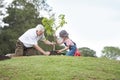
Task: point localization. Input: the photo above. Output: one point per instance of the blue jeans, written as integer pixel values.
(71, 51)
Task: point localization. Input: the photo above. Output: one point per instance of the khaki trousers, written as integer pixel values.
(21, 50)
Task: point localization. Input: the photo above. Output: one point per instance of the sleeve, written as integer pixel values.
(43, 38)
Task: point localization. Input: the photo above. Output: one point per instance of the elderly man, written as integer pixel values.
(28, 42)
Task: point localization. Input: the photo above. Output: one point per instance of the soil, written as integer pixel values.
(54, 53)
(3, 57)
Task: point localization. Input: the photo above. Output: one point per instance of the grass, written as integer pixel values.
(59, 68)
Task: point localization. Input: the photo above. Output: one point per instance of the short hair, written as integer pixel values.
(40, 27)
(63, 33)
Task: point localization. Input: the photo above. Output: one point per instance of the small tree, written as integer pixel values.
(50, 24)
(51, 27)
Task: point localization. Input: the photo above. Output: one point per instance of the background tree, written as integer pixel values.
(111, 52)
(85, 51)
(1, 11)
(1, 6)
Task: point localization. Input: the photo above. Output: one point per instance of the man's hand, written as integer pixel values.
(47, 53)
(49, 43)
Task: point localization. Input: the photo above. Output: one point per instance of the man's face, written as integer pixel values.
(39, 32)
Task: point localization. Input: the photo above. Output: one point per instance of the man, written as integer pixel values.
(28, 42)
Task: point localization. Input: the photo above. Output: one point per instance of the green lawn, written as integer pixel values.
(59, 68)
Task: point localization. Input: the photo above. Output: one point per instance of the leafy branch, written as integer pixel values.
(51, 25)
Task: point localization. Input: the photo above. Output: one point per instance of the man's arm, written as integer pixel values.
(48, 42)
(41, 50)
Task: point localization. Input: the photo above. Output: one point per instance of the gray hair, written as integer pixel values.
(40, 27)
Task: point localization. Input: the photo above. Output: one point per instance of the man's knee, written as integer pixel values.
(19, 52)
(30, 52)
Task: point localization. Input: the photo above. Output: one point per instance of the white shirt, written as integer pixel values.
(30, 38)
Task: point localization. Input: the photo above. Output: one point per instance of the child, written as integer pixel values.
(68, 43)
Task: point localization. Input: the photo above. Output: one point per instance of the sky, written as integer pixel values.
(90, 23)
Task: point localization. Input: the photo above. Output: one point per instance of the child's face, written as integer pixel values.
(63, 38)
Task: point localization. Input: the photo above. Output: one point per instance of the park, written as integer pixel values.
(48, 61)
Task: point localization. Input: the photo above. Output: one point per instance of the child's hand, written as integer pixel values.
(47, 53)
(59, 51)
(52, 43)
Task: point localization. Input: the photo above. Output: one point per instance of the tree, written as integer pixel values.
(1, 6)
(111, 52)
(51, 27)
(50, 23)
(1, 11)
(41, 5)
(87, 52)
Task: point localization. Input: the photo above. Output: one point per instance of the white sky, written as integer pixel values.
(91, 23)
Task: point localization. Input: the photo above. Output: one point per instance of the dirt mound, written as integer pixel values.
(3, 57)
(54, 53)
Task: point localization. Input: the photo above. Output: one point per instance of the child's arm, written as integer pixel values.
(61, 50)
(59, 42)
